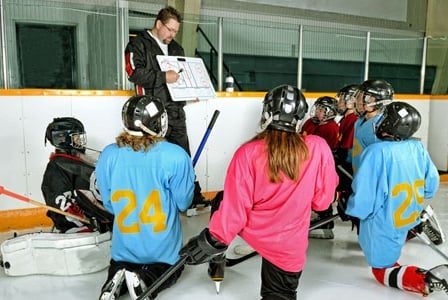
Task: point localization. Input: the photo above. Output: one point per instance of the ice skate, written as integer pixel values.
(431, 227)
(323, 232)
(436, 279)
(111, 290)
(135, 285)
(243, 250)
(216, 270)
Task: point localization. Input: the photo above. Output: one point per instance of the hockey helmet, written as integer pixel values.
(283, 108)
(145, 114)
(66, 133)
(346, 97)
(373, 93)
(326, 105)
(400, 121)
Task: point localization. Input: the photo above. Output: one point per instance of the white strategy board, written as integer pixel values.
(194, 81)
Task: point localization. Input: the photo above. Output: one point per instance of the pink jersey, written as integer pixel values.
(274, 218)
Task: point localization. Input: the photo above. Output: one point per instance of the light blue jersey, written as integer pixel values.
(364, 136)
(146, 191)
(389, 191)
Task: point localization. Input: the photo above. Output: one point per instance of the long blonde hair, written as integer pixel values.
(137, 143)
(286, 151)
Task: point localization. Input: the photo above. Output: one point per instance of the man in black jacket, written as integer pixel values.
(144, 71)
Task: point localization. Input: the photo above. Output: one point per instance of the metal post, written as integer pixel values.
(4, 53)
(300, 59)
(367, 58)
(220, 54)
(423, 69)
(123, 33)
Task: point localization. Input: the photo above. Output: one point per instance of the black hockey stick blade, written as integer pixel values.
(147, 294)
(230, 262)
(319, 223)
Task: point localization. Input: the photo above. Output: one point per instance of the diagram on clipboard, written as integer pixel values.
(193, 83)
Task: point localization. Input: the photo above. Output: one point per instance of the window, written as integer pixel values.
(46, 56)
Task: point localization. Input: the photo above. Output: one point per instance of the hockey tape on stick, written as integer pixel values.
(162, 279)
(205, 137)
(37, 203)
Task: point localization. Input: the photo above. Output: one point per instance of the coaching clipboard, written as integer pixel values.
(194, 81)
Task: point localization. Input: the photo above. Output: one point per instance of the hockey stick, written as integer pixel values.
(205, 137)
(183, 259)
(429, 243)
(37, 203)
(230, 262)
(195, 211)
(319, 223)
(162, 279)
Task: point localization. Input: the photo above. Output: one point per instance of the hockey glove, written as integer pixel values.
(101, 220)
(202, 248)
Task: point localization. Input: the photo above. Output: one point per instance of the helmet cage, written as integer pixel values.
(66, 133)
(374, 93)
(328, 104)
(346, 97)
(65, 139)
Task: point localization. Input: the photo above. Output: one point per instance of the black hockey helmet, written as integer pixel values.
(66, 133)
(346, 97)
(328, 105)
(283, 108)
(400, 121)
(145, 114)
(374, 93)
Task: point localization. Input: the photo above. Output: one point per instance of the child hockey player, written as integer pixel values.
(322, 123)
(343, 154)
(145, 182)
(69, 176)
(346, 108)
(272, 184)
(394, 178)
(371, 99)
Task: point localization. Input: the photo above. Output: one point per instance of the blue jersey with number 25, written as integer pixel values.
(389, 191)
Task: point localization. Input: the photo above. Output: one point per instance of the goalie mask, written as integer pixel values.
(145, 114)
(375, 94)
(324, 109)
(346, 98)
(400, 121)
(67, 134)
(283, 109)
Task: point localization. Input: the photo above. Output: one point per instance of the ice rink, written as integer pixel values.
(335, 269)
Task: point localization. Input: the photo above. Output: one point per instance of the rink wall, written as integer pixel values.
(26, 113)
